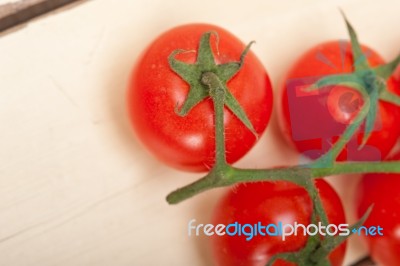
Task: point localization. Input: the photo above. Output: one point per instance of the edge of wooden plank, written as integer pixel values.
(14, 14)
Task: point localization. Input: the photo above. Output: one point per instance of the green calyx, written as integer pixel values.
(370, 82)
(317, 249)
(197, 75)
(329, 243)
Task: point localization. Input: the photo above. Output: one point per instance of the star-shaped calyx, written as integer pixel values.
(369, 81)
(205, 64)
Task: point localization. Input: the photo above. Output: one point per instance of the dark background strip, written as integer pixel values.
(15, 13)
(364, 262)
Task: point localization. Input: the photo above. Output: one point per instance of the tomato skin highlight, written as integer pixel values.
(382, 190)
(270, 202)
(312, 122)
(187, 143)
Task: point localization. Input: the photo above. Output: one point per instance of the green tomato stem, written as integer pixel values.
(295, 174)
(330, 157)
(217, 93)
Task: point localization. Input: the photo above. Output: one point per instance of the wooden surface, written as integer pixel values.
(75, 186)
(13, 13)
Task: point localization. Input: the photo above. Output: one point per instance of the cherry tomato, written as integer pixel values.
(270, 202)
(396, 77)
(155, 91)
(382, 190)
(314, 120)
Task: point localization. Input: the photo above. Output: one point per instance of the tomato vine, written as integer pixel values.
(368, 81)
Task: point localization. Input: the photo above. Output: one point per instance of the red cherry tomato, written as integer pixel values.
(313, 121)
(396, 77)
(382, 190)
(155, 91)
(270, 202)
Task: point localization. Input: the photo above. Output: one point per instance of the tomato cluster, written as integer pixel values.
(311, 120)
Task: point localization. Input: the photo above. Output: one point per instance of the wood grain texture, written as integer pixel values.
(15, 13)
